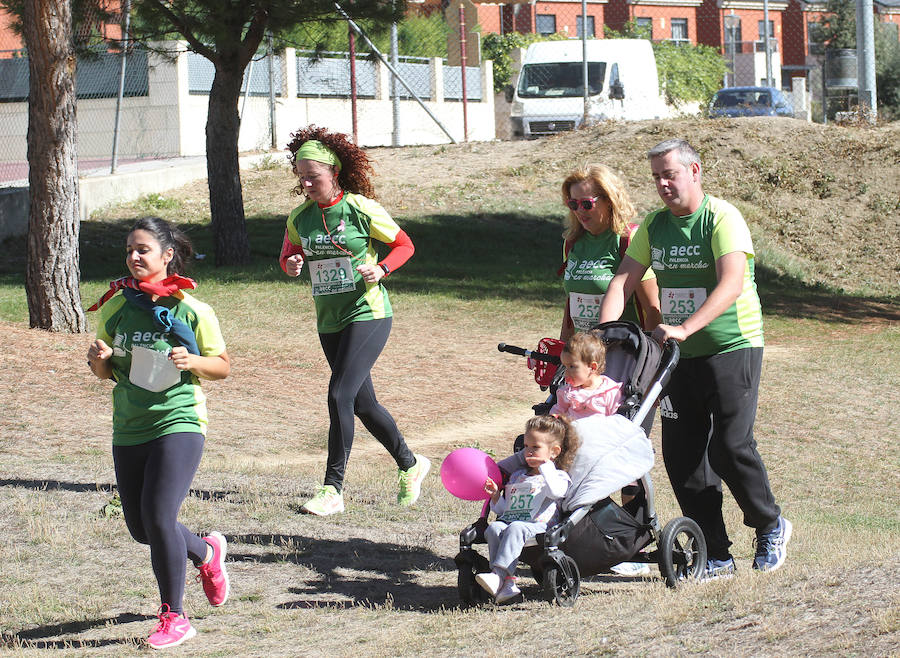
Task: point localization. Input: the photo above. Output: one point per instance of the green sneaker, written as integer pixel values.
(411, 481)
(327, 500)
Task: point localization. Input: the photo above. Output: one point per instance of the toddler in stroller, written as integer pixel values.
(528, 501)
(594, 533)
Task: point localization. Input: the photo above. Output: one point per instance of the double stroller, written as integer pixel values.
(595, 533)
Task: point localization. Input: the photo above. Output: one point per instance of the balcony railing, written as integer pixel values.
(749, 46)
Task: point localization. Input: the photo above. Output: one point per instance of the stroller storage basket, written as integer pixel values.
(606, 536)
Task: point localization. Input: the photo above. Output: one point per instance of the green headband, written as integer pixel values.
(313, 149)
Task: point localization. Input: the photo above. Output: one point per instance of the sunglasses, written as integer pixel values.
(587, 203)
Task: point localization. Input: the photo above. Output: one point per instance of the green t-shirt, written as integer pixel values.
(590, 266)
(335, 240)
(141, 415)
(682, 251)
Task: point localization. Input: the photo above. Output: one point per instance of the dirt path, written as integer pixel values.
(489, 432)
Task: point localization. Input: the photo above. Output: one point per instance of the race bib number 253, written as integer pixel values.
(678, 304)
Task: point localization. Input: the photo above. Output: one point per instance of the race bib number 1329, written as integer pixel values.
(331, 276)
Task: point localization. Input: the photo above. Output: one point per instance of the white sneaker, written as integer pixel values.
(631, 569)
(509, 590)
(327, 501)
(490, 582)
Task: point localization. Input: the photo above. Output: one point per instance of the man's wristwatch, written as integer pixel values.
(385, 269)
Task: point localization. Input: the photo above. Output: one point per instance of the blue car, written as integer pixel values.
(750, 102)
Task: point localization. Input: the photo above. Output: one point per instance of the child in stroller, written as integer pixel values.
(528, 501)
(595, 533)
(587, 390)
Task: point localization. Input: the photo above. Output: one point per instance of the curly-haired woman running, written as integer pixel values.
(333, 231)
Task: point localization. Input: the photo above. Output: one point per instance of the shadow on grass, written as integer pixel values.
(91, 487)
(34, 638)
(790, 298)
(391, 567)
(473, 256)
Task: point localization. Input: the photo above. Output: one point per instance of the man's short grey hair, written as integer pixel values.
(686, 153)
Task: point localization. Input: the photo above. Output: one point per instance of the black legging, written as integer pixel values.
(351, 353)
(153, 479)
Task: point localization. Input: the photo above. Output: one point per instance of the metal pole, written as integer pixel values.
(730, 21)
(770, 82)
(352, 38)
(584, 63)
(865, 59)
(270, 55)
(733, 58)
(249, 75)
(462, 68)
(115, 145)
(390, 68)
(395, 95)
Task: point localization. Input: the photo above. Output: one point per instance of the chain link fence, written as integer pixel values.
(699, 46)
(100, 76)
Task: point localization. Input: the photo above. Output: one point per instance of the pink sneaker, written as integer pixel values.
(172, 629)
(213, 574)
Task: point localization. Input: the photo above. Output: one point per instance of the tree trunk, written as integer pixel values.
(52, 270)
(226, 201)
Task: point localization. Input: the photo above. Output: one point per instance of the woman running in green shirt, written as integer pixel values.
(156, 342)
(335, 232)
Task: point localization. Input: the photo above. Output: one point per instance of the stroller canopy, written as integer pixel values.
(613, 452)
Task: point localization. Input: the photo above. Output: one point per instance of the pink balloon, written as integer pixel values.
(465, 470)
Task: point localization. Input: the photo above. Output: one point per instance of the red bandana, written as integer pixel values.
(162, 288)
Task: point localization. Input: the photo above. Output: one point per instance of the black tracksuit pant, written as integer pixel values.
(707, 438)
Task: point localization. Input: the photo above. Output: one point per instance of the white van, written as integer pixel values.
(549, 94)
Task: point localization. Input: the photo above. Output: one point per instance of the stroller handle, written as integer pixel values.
(536, 356)
(669, 359)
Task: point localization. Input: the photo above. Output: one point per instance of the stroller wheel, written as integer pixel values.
(562, 583)
(470, 592)
(682, 551)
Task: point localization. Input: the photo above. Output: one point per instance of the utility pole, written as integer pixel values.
(865, 59)
(770, 82)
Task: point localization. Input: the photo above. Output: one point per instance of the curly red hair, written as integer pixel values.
(356, 167)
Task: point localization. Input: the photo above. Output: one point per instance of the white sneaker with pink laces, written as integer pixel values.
(508, 591)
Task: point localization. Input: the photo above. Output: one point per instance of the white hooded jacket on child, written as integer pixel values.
(532, 498)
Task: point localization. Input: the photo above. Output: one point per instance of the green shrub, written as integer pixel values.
(153, 202)
(417, 36)
(688, 73)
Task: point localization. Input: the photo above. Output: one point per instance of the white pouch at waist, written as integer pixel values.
(152, 370)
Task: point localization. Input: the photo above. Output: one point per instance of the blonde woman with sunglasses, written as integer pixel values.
(596, 235)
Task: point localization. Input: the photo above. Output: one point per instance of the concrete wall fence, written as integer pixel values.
(169, 119)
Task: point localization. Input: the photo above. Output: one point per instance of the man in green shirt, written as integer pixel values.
(700, 249)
